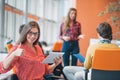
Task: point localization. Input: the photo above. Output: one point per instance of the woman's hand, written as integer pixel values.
(18, 51)
(58, 60)
(66, 38)
(81, 36)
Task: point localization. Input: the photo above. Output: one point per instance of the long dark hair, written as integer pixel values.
(26, 29)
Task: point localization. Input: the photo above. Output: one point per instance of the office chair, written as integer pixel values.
(106, 65)
(9, 46)
(57, 46)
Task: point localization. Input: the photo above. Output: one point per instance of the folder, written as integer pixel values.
(80, 57)
(52, 55)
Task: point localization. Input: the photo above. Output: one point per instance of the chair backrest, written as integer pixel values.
(57, 46)
(9, 46)
(106, 65)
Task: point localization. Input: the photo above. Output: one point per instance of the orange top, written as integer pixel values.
(29, 66)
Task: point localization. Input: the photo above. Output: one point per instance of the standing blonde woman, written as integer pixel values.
(70, 33)
(27, 56)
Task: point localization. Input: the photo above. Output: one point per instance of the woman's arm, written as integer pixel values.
(7, 62)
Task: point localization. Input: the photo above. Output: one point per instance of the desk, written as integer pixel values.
(9, 73)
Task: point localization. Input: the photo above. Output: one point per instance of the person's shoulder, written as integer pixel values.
(103, 46)
(93, 46)
(114, 45)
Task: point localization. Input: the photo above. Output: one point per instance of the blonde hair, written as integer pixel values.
(67, 20)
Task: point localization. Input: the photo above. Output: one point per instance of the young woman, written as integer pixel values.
(70, 33)
(27, 56)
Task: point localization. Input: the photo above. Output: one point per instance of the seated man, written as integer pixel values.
(104, 31)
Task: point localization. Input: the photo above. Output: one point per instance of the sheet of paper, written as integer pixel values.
(52, 55)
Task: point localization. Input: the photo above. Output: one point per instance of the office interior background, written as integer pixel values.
(50, 14)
